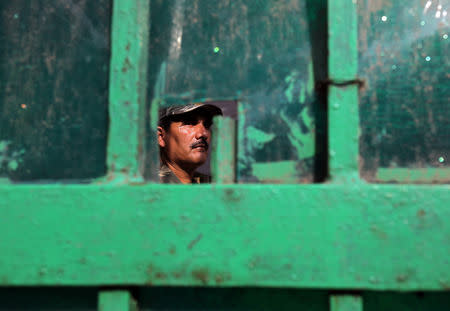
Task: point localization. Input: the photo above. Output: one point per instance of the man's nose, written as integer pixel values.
(201, 131)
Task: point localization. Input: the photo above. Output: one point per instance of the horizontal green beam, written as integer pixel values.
(413, 175)
(381, 237)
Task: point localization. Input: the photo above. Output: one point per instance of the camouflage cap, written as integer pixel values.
(177, 110)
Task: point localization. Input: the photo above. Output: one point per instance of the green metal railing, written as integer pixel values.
(342, 235)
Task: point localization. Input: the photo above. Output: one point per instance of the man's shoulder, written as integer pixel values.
(200, 178)
(166, 176)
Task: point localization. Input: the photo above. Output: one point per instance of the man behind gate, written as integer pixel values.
(184, 136)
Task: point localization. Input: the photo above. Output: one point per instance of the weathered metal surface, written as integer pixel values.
(223, 162)
(53, 89)
(343, 133)
(343, 99)
(413, 175)
(346, 303)
(404, 61)
(342, 41)
(315, 236)
(127, 90)
(116, 300)
(256, 52)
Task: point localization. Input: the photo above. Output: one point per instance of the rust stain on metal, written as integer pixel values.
(378, 232)
(176, 275)
(232, 196)
(172, 250)
(421, 213)
(153, 198)
(445, 285)
(161, 275)
(195, 241)
(150, 270)
(126, 65)
(222, 277)
(149, 273)
(201, 275)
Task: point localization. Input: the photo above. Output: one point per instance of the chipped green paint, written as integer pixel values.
(303, 142)
(291, 81)
(9, 159)
(298, 132)
(127, 92)
(413, 175)
(286, 171)
(13, 165)
(257, 138)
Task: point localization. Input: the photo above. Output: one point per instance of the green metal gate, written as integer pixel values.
(331, 180)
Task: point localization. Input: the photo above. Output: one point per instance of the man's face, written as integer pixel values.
(186, 141)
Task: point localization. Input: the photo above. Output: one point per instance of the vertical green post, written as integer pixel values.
(346, 303)
(343, 95)
(223, 155)
(116, 300)
(127, 88)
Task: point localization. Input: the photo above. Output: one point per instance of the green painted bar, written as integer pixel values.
(223, 155)
(116, 300)
(413, 175)
(346, 303)
(342, 40)
(376, 237)
(343, 100)
(127, 92)
(343, 133)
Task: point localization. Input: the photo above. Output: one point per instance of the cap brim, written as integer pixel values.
(180, 110)
(211, 109)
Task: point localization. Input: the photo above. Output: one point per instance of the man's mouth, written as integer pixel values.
(200, 145)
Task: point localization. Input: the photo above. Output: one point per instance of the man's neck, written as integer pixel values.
(183, 175)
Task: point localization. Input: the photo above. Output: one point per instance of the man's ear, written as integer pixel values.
(161, 137)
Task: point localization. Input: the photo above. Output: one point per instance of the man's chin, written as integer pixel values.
(200, 160)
